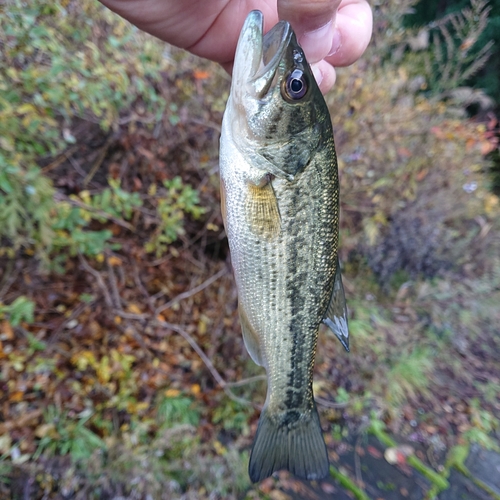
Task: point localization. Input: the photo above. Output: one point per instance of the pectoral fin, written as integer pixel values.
(336, 314)
(261, 208)
(250, 337)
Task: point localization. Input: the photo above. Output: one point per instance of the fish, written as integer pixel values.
(280, 205)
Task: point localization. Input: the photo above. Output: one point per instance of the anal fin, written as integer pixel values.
(336, 314)
(250, 337)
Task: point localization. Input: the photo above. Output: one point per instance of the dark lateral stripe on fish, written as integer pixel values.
(299, 374)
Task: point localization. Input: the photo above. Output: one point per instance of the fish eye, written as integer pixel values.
(296, 85)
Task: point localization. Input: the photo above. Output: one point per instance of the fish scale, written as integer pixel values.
(280, 201)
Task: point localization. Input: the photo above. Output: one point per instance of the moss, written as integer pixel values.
(437, 480)
(456, 458)
(348, 484)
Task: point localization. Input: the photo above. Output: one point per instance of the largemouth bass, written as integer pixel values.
(280, 202)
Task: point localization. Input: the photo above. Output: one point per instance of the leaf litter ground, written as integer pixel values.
(134, 376)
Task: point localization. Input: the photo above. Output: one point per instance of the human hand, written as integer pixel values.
(331, 32)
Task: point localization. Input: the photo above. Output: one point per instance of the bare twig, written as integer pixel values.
(216, 375)
(138, 337)
(245, 381)
(9, 277)
(328, 404)
(140, 286)
(114, 287)
(98, 162)
(159, 262)
(357, 463)
(126, 315)
(76, 166)
(98, 277)
(63, 157)
(190, 293)
(207, 124)
(74, 314)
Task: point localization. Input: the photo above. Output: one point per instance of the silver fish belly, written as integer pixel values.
(279, 186)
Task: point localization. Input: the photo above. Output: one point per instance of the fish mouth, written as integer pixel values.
(257, 55)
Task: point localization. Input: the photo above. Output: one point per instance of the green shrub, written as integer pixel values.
(63, 435)
(412, 168)
(448, 60)
(177, 410)
(62, 61)
(22, 309)
(178, 200)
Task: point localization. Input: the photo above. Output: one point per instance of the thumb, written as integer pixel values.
(314, 24)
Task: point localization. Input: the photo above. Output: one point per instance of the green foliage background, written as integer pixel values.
(61, 63)
(427, 11)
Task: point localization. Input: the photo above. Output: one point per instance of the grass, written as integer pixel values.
(348, 484)
(376, 428)
(409, 375)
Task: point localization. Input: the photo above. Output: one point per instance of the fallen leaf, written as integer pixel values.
(266, 485)
(404, 152)
(487, 147)
(201, 74)
(6, 330)
(16, 396)
(470, 143)
(397, 454)
(5, 443)
(279, 495)
(422, 174)
(219, 448)
(134, 309)
(172, 393)
(46, 430)
(113, 260)
(328, 488)
(373, 451)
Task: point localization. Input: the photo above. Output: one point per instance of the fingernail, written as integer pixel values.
(318, 74)
(336, 42)
(314, 42)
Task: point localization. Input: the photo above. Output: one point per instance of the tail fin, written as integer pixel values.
(297, 447)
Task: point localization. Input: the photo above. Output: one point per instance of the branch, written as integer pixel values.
(216, 375)
(99, 160)
(98, 277)
(245, 381)
(190, 293)
(9, 277)
(114, 286)
(328, 404)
